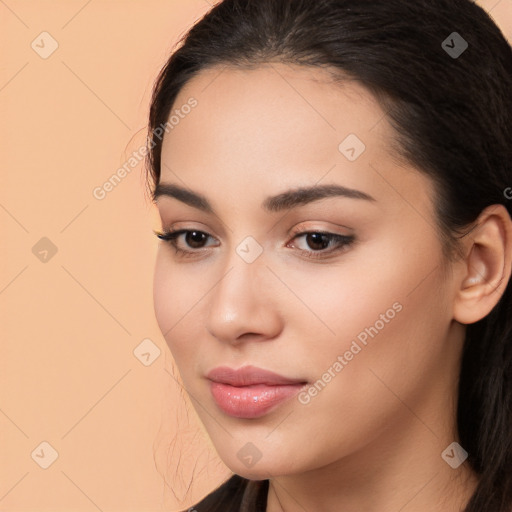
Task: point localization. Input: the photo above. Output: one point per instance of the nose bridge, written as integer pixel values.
(245, 265)
(237, 288)
(239, 302)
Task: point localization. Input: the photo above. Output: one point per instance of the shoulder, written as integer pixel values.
(237, 494)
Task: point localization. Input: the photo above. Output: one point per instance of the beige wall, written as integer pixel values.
(69, 324)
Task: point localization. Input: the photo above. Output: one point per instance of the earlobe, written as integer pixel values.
(487, 268)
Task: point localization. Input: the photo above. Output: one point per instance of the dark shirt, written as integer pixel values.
(235, 495)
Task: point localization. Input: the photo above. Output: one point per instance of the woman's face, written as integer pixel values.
(365, 320)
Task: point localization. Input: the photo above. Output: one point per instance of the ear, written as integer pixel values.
(486, 268)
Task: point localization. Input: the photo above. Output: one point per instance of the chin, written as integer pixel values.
(253, 473)
(263, 469)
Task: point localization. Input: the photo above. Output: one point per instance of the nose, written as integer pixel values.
(242, 304)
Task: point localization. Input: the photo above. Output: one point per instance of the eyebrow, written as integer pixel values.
(283, 201)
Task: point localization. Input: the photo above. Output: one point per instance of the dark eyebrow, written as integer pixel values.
(284, 201)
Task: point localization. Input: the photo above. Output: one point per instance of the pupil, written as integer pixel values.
(194, 237)
(317, 238)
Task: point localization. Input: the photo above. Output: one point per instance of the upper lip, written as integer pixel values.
(249, 375)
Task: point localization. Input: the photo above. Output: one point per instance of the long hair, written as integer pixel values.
(452, 116)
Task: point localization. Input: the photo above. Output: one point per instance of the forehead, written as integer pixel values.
(263, 94)
(271, 113)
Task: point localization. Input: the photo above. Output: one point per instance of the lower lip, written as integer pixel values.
(251, 401)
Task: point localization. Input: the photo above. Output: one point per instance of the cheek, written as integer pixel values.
(164, 293)
(388, 343)
(176, 295)
(397, 324)
(389, 312)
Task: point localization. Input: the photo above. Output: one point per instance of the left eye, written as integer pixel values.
(318, 241)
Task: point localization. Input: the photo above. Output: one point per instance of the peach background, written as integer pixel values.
(70, 325)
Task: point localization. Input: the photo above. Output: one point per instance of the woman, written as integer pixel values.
(333, 179)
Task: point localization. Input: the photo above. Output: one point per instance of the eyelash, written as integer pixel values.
(341, 242)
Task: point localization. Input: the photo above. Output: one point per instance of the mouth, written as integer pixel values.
(251, 392)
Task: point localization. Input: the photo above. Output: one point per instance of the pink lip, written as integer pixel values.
(250, 392)
(248, 376)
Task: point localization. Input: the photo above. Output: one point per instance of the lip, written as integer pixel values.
(248, 376)
(250, 392)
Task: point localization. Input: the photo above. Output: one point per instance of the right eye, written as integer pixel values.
(193, 239)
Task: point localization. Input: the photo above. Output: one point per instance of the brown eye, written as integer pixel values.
(317, 241)
(186, 242)
(318, 244)
(195, 239)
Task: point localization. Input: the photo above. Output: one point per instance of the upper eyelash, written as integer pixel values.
(343, 241)
(170, 236)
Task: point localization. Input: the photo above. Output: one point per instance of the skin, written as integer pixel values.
(372, 438)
